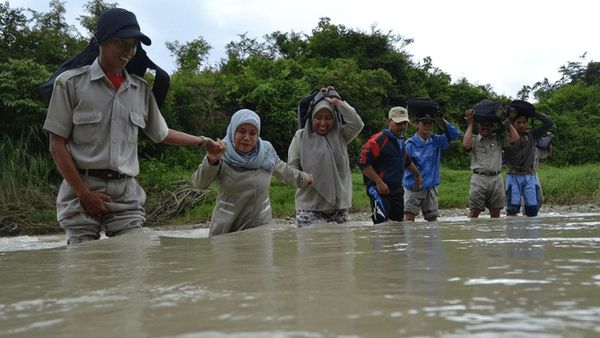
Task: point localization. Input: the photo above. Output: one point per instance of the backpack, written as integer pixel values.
(420, 107)
(522, 108)
(485, 111)
(306, 104)
(545, 141)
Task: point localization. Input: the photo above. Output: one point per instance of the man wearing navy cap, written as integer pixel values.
(93, 119)
(425, 151)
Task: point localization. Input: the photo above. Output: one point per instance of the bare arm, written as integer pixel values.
(513, 134)
(91, 201)
(183, 139)
(180, 138)
(468, 138)
(418, 179)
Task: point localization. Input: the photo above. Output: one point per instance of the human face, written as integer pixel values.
(424, 128)
(322, 121)
(245, 138)
(115, 53)
(520, 125)
(485, 129)
(397, 128)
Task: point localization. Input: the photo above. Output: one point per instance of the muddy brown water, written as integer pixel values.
(512, 277)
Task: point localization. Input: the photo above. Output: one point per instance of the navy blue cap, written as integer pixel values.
(121, 23)
(426, 117)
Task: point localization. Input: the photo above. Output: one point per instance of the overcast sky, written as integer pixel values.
(506, 44)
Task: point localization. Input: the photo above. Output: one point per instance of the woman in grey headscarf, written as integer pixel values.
(243, 175)
(320, 149)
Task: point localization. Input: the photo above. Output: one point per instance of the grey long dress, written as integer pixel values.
(243, 197)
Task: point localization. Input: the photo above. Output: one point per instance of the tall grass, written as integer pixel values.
(21, 167)
(571, 185)
(26, 197)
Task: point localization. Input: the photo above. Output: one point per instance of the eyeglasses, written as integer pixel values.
(128, 44)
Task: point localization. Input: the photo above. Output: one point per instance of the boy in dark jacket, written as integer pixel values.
(520, 158)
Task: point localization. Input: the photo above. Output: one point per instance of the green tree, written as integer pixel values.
(20, 105)
(52, 41)
(94, 8)
(13, 30)
(287, 45)
(191, 55)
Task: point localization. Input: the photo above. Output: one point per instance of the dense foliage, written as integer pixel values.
(371, 70)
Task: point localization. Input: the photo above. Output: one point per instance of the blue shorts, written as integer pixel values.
(524, 187)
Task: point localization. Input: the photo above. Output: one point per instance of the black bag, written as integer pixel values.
(306, 104)
(545, 141)
(521, 108)
(485, 111)
(420, 107)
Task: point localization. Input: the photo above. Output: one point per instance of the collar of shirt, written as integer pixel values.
(96, 73)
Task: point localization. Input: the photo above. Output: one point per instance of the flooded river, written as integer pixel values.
(513, 277)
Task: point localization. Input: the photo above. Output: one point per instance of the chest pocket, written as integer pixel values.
(488, 146)
(86, 127)
(482, 148)
(137, 122)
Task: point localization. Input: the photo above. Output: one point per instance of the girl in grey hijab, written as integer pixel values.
(243, 176)
(320, 149)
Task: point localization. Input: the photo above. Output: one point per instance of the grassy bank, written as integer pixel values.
(27, 199)
(561, 185)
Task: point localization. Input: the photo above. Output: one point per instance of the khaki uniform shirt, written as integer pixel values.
(486, 153)
(101, 124)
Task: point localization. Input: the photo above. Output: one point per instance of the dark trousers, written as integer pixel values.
(393, 205)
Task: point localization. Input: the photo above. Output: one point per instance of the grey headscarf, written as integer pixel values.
(263, 156)
(326, 158)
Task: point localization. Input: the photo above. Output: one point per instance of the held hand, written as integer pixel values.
(214, 147)
(382, 188)
(441, 121)
(332, 92)
(214, 150)
(310, 180)
(334, 100)
(93, 203)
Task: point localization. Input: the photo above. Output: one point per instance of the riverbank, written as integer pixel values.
(29, 208)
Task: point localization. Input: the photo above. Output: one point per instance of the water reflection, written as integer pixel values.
(426, 266)
(454, 278)
(100, 290)
(525, 232)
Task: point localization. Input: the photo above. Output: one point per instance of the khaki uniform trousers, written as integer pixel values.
(127, 209)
